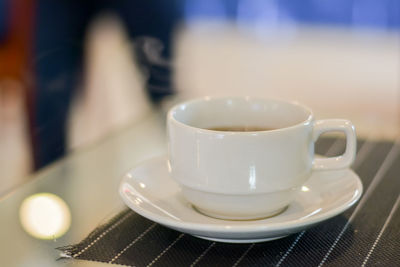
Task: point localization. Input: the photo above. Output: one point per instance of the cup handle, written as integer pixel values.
(344, 160)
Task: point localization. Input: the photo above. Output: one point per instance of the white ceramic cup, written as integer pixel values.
(247, 175)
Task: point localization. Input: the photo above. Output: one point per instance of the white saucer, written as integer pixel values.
(149, 191)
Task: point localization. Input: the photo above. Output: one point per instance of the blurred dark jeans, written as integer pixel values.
(60, 30)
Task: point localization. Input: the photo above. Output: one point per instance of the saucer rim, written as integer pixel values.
(263, 225)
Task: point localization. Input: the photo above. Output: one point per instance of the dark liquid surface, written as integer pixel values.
(240, 129)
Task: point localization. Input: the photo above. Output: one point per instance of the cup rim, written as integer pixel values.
(171, 118)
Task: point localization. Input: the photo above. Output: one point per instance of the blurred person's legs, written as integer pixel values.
(151, 25)
(59, 35)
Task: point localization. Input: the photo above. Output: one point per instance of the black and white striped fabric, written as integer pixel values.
(366, 235)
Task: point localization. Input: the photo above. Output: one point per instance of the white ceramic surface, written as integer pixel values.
(149, 190)
(247, 175)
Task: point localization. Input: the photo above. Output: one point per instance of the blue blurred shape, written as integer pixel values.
(380, 14)
(205, 8)
(370, 13)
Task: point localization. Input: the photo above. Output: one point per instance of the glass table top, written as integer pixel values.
(83, 191)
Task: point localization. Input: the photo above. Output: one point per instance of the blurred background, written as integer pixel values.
(73, 72)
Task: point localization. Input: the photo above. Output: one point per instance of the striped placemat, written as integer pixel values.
(368, 234)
